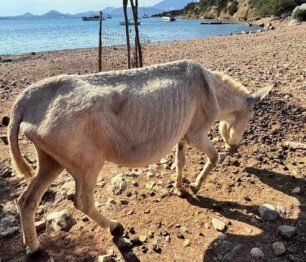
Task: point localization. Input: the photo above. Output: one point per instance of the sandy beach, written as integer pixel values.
(264, 170)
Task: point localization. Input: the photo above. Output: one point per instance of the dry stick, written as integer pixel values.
(137, 41)
(100, 43)
(125, 3)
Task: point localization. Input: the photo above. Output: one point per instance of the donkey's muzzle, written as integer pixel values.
(232, 148)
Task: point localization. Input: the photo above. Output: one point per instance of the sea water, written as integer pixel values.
(38, 34)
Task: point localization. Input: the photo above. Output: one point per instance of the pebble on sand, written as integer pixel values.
(257, 252)
(278, 248)
(287, 232)
(268, 212)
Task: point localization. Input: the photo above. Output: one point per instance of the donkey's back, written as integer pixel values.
(131, 117)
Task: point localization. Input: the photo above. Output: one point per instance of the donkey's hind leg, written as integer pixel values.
(180, 163)
(48, 170)
(84, 197)
(202, 142)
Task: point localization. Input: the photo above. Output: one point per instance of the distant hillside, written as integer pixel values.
(164, 5)
(238, 9)
(54, 14)
(167, 5)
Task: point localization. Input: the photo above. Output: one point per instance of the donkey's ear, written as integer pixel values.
(259, 95)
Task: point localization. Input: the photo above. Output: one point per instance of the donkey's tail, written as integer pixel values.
(19, 163)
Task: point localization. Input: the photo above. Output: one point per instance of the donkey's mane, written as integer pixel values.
(234, 85)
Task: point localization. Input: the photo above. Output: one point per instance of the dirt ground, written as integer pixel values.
(180, 229)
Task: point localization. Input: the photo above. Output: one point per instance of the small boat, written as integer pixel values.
(108, 17)
(130, 22)
(145, 16)
(168, 18)
(92, 18)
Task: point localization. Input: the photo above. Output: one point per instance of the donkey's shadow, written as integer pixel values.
(232, 210)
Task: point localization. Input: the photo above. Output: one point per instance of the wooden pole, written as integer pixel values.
(137, 39)
(100, 43)
(127, 33)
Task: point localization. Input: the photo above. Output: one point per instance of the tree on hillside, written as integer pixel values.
(273, 7)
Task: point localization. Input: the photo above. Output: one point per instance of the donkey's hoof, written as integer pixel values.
(180, 191)
(194, 188)
(35, 252)
(116, 228)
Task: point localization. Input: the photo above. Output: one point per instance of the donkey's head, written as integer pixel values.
(233, 127)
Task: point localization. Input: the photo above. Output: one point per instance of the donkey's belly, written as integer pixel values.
(141, 155)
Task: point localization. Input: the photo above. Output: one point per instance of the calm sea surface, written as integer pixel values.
(32, 35)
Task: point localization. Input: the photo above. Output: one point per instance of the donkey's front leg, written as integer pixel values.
(180, 160)
(203, 143)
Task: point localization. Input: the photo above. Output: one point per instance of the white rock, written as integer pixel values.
(60, 220)
(218, 225)
(150, 185)
(119, 183)
(257, 252)
(150, 174)
(279, 248)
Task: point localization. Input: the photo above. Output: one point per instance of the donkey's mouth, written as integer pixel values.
(231, 148)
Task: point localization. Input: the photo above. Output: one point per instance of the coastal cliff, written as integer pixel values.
(238, 9)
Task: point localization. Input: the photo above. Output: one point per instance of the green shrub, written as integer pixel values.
(233, 8)
(300, 15)
(273, 7)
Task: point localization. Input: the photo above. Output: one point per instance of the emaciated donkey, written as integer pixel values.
(131, 117)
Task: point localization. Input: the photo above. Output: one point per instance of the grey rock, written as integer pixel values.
(268, 212)
(279, 248)
(8, 226)
(119, 183)
(8, 231)
(296, 190)
(257, 253)
(8, 220)
(287, 232)
(230, 255)
(124, 243)
(218, 224)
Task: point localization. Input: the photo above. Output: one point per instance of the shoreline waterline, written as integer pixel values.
(37, 35)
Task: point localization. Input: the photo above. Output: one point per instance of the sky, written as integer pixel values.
(38, 7)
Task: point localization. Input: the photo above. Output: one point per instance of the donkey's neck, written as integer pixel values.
(230, 99)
